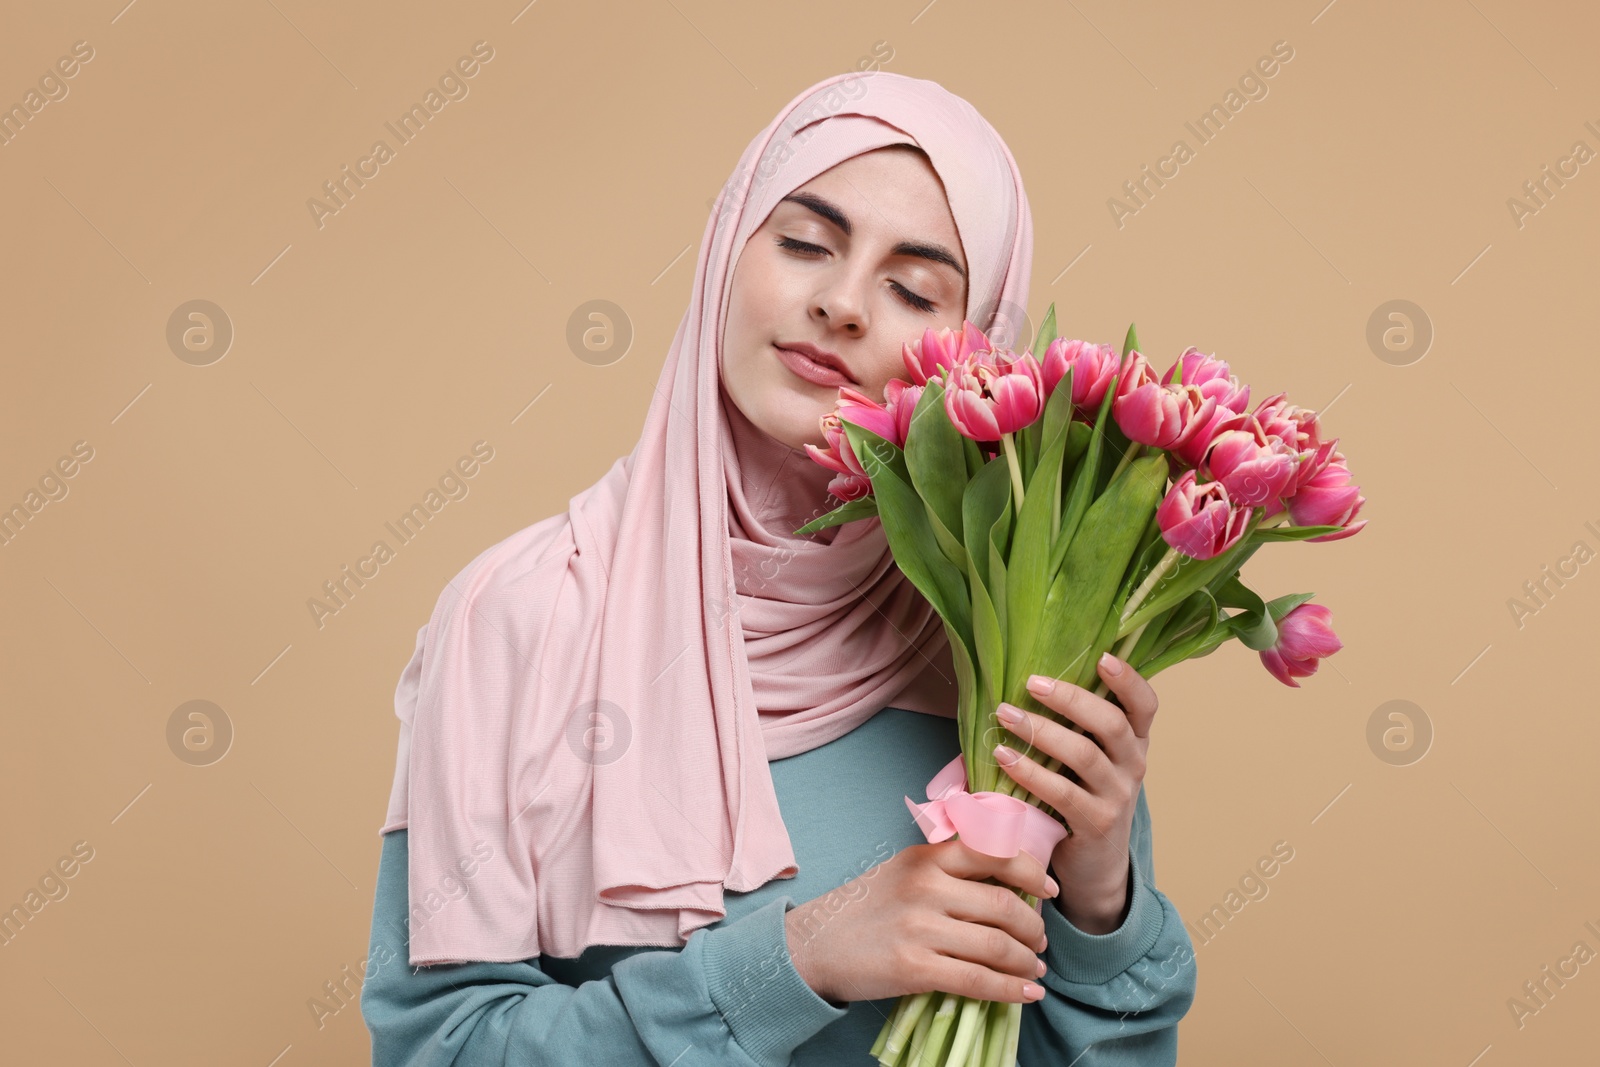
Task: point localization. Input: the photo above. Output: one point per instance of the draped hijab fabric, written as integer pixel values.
(586, 718)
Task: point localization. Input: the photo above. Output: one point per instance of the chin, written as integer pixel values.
(795, 431)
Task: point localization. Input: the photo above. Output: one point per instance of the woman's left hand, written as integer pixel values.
(1091, 865)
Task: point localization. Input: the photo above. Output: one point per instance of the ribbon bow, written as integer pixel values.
(988, 822)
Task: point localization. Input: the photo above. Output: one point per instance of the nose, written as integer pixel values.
(842, 304)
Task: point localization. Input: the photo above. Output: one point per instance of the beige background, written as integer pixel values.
(371, 352)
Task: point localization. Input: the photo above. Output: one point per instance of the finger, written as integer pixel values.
(988, 946)
(1075, 803)
(951, 974)
(1134, 690)
(998, 907)
(1075, 750)
(960, 860)
(1097, 715)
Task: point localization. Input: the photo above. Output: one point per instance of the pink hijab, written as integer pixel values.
(586, 721)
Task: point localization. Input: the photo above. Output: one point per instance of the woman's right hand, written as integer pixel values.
(924, 920)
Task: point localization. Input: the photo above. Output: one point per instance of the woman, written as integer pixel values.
(648, 804)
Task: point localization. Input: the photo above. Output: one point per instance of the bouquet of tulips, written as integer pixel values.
(1053, 504)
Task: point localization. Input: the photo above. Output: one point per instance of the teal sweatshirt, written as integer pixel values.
(731, 994)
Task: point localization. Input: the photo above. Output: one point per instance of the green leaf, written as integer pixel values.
(1290, 533)
(988, 635)
(986, 496)
(908, 529)
(1047, 332)
(1028, 566)
(1282, 605)
(1117, 445)
(934, 459)
(966, 686)
(1200, 608)
(953, 550)
(999, 549)
(974, 456)
(1075, 616)
(1253, 625)
(1151, 548)
(861, 508)
(1078, 435)
(1058, 410)
(1201, 643)
(1185, 577)
(1027, 442)
(1131, 342)
(1081, 491)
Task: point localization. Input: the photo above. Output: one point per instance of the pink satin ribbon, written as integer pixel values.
(988, 822)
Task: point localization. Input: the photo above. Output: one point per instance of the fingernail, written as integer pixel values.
(1009, 715)
(1110, 664)
(1039, 685)
(1005, 756)
(1031, 991)
(1050, 884)
(1040, 972)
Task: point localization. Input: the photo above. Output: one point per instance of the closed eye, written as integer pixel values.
(807, 249)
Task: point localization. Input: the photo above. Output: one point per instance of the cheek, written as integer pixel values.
(887, 361)
(755, 300)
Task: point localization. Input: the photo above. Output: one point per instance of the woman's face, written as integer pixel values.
(855, 262)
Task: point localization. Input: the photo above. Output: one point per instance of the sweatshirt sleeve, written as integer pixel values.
(1117, 996)
(729, 996)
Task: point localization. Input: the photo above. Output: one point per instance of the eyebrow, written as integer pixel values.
(830, 211)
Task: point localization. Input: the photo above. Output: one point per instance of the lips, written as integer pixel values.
(819, 356)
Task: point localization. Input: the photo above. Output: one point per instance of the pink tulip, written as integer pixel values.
(941, 349)
(901, 398)
(1254, 467)
(1194, 367)
(1329, 498)
(1305, 638)
(1211, 374)
(890, 420)
(851, 479)
(867, 413)
(1198, 519)
(993, 393)
(1307, 466)
(1298, 426)
(1300, 429)
(1092, 366)
(1191, 452)
(1160, 416)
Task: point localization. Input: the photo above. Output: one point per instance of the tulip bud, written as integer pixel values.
(851, 481)
(1305, 638)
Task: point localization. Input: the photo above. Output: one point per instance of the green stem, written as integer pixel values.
(919, 1038)
(908, 1013)
(1013, 1034)
(1131, 640)
(1016, 468)
(1165, 564)
(938, 1031)
(879, 1047)
(996, 1034)
(968, 1030)
(1127, 457)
